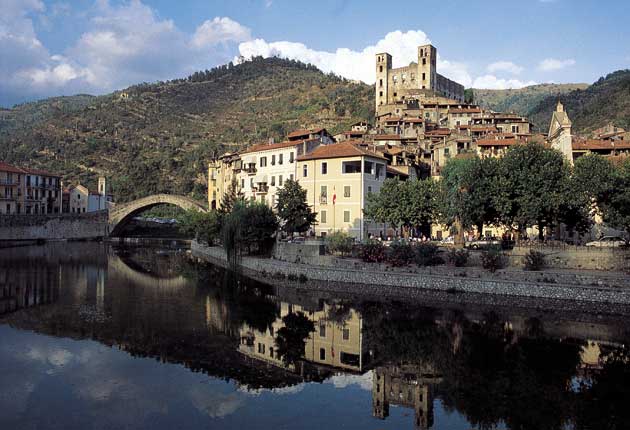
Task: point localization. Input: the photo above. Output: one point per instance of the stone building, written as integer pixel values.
(415, 81)
(81, 199)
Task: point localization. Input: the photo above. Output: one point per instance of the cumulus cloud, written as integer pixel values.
(219, 30)
(551, 64)
(491, 82)
(342, 380)
(504, 66)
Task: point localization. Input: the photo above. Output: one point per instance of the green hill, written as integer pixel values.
(522, 100)
(606, 101)
(153, 138)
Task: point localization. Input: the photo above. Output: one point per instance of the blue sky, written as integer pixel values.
(61, 47)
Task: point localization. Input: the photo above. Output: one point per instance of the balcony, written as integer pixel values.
(9, 182)
(261, 189)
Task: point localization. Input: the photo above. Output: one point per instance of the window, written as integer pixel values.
(380, 171)
(251, 183)
(322, 329)
(291, 157)
(291, 176)
(424, 62)
(346, 216)
(380, 69)
(380, 81)
(346, 191)
(324, 168)
(242, 183)
(446, 151)
(322, 354)
(324, 191)
(273, 181)
(515, 129)
(368, 167)
(351, 167)
(305, 171)
(369, 189)
(263, 161)
(346, 334)
(322, 217)
(273, 160)
(424, 76)
(380, 93)
(280, 180)
(271, 352)
(395, 94)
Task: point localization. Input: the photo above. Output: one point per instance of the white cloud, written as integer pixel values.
(491, 82)
(342, 380)
(550, 64)
(219, 30)
(504, 66)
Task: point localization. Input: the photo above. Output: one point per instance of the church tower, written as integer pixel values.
(560, 132)
(427, 67)
(102, 186)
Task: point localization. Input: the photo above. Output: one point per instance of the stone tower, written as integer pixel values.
(560, 132)
(102, 186)
(383, 66)
(427, 67)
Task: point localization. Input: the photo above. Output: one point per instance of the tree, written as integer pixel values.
(205, 226)
(250, 226)
(231, 197)
(532, 187)
(468, 188)
(409, 204)
(616, 209)
(291, 338)
(292, 208)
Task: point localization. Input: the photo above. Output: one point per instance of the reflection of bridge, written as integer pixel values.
(117, 266)
(121, 214)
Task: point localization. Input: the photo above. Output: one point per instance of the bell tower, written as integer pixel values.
(427, 67)
(383, 66)
(102, 186)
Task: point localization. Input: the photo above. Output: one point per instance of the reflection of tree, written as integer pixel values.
(291, 338)
(604, 399)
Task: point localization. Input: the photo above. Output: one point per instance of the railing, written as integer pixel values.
(8, 182)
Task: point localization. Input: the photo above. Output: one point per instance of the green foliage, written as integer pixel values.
(469, 96)
(468, 187)
(410, 204)
(339, 242)
(616, 210)
(204, 226)
(292, 208)
(427, 254)
(231, 197)
(291, 338)
(400, 253)
(372, 251)
(457, 257)
(492, 259)
(250, 227)
(534, 260)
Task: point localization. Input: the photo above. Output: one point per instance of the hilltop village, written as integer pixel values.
(422, 120)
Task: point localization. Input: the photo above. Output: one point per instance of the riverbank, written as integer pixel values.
(589, 290)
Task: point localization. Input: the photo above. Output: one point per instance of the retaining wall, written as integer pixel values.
(54, 227)
(385, 281)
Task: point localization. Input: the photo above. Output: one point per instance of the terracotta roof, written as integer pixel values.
(600, 144)
(41, 173)
(499, 142)
(413, 120)
(270, 146)
(387, 137)
(438, 132)
(465, 110)
(339, 150)
(5, 167)
(304, 132)
(361, 132)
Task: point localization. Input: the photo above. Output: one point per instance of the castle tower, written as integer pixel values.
(383, 66)
(102, 186)
(560, 132)
(427, 66)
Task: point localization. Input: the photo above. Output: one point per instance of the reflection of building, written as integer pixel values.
(337, 340)
(24, 285)
(409, 386)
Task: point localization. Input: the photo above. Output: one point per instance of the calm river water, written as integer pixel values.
(94, 336)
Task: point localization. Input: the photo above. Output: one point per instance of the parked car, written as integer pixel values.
(607, 242)
(484, 242)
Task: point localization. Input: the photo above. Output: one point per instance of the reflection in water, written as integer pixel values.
(418, 367)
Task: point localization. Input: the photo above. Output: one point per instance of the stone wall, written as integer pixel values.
(298, 253)
(387, 281)
(573, 257)
(54, 227)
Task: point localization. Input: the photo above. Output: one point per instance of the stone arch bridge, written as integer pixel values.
(121, 214)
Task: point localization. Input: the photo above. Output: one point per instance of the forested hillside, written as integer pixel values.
(159, 137)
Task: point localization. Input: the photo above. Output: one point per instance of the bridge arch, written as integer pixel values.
(121, 214)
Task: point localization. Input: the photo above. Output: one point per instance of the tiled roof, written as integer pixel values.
(41, 173)
(438, 132)
(339, 150)
(304, 132)
(270, 146)
(5, 167)
(594, 144)
(413, 120)
(499, 142)
(465, 110)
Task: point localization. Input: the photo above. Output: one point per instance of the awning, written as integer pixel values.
(260, 179)
(251, 159)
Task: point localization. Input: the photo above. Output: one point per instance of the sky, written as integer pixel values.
(64, 47)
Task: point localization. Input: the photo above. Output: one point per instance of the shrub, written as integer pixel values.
(492, 259)
(426, 254)
(292, 277)
(534, 260)
(457, 257)
(400, 254)
(340, 242)
(372, 251)
(302, 278)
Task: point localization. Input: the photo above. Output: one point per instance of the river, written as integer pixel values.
(102, 336)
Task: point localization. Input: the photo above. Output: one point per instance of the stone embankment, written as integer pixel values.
(585, 286)
(91, 225)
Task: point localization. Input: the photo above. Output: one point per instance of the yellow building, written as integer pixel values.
(337, 179)
(333, 343)
(29, 191)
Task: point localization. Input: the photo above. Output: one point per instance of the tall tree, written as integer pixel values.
(292, 208)
(232, 196)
